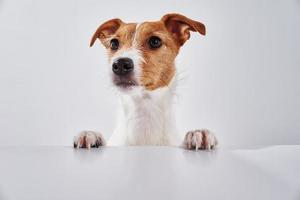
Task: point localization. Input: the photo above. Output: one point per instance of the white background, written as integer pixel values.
(241, 80)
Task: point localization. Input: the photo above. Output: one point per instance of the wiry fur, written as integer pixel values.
(146, 118)
(147, 115)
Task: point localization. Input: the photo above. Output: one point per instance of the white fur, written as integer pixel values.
(146, 118)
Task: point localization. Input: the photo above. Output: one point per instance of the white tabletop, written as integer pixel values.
(38, 173)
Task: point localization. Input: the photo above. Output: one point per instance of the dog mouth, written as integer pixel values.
(125, 84)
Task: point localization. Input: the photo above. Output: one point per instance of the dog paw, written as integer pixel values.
(200, 139)
(88, 139)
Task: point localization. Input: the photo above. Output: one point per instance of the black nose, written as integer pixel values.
(122, 66)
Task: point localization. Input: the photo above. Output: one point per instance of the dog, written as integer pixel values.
(142, 56)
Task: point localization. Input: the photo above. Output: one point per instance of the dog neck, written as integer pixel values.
(147, 118)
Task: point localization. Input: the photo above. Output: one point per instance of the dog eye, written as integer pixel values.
(114, 44)
(154, 42)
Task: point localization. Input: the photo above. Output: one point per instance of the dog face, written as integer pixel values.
(143, 55)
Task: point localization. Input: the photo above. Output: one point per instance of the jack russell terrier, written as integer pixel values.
(142, 59)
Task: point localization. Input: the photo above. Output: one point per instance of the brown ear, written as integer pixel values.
(180, 26)
(106, 29)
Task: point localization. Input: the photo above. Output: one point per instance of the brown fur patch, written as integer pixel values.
(158, 67)
(124, 35)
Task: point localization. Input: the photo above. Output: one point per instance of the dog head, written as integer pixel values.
(143, 55)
